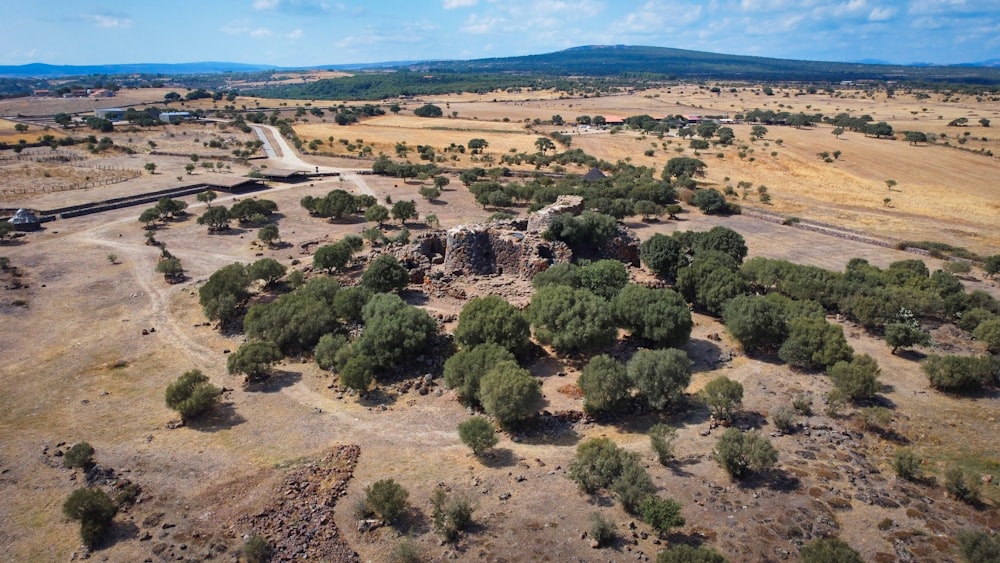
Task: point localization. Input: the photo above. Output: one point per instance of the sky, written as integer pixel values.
(299, 33)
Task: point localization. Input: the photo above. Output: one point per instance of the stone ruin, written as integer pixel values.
(509, 247)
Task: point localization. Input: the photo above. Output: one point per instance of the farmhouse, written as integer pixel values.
(112, 114)
(175, 116)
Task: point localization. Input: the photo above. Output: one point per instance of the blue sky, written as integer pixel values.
(317, 32)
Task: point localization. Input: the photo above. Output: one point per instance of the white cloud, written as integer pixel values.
(452, 4)
(881, 14)
(481, 25)
(265, 4)
(295, 34)
(261, 32)
(235, 28)
(107, 21)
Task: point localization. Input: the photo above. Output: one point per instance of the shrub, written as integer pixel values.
(682, 553)
(510, 393)
(740, 454)
(905, 335)
(602, 530)
(604, 278)
(759, 324)
(802, 403)
(710, 201)
(478, 434)
(80, 455)
(978, 546)
(253, 360)
(571, 320)
(596, 465)
(829, 550)
(465, 369)
(988, 332)
(394, 332)
(783, 419)
(958, 373)
(385, 274)
(326, 349)
(662, 255)
(492, 319)
(94, 509)
(661, 439)
(814, 343)
(658, 315)
(660, 375)
(387, 499)
(192, 395)
(257, 550)
(962, 485)
(605, 384)
(451, 515)
(357, 373)
(632, 485)
(875, 418)
(857, 379)
(906, 464)
(723, 397)
(972, 318)
(661, 514)
(405, 551)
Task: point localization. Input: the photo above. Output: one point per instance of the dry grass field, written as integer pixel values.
(78, 366)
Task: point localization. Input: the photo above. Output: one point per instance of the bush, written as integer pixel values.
(661, 439)
(326, 349)
(905, 335)
(492, 319)
(596, 465)
(257, 550)
(451, 515)
(723, 397)
(660, 375)
(510, 393)
(357, 373)
(802, 403)
(759, 324)
(958, 373)
(465, 369)
(978, 546)
(94, 510)
(192, 395)
(604, 278)
(295, 321)
(80, 455)
(223, 293)
(405, 551)
(710, 201)
(814, 343)
(857, 379)
(602, 530)
(658, 315)
(988, 332)
(741, 454)
(662, 255)
(971, 319)
(682, 553)
(394, 332)
(254, 360)
(962, 485)
(875, 418)
(829, 550)
(387, 499)
(605, 384)
(477, 433)
(783, 419)
(632, 485)
(563, 273)
(385, 274)
(571, 320)
(906, 464)
(661, 514)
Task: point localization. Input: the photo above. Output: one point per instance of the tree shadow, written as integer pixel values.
(414, 297)
(549, 430)
(223, 417)
(636, 226)
(705, 355)
(693, 539)
(377, 397)
(677, 465)
(279, 380)
(414, 521)
(121, 531)
(749, 420)
(496, 458)
(909, 354)
(228, 232)
(775, 479)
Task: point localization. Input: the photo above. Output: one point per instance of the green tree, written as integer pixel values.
(94, 510)
(394, 331)
(544, 144)
(428, 110)
(387, 499)
(150, 167)
(857, 379)
(223, 293)
(465, 369)
(724, 240)
(403, 210)
(991, 265)
(905, 335)
(988, 332)
(604, 278)
(477, 433)
(268, 234)
(378, 214)
(758, 324)
(829, 550)
(813, 343)
(723, 397)
(660, 513)
(215, 218)
(978, 546)
(958, 373)
(254, 360)
(562, 273)
(710, 201)
(683, 166)
(385, 274)
(660, 376)
(476, 146)
(206, 197)
(357, 373)
(571, 320)
(597, 463)
(80, 455)
(510, 393)
(758, 131)
(332, 257)
(192, 395)
(662, 255)
(429, 193)
(267, 270)
(658, 315)
(740, 454)
(605, 384)
(492, 319)
(326, 349)
(149, 216)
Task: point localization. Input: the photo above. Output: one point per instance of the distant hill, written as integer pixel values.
(42, 70)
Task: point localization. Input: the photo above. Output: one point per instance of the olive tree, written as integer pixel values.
(723, 397)
(605, 384)
(857, 379)
(192, 395)
(394, 332)
(758, 323)
(658, 315)
(510, 393)
(254, 360)
(662, 255)
(385, 274)
(477, 433)
(464, 370)
(741, 454)
(660, 376)
(492, 319)
(571, 320)
(94, 510)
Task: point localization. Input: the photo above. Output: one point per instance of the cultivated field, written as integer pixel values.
(79, 366)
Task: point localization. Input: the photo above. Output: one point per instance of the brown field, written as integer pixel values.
(79, 368)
